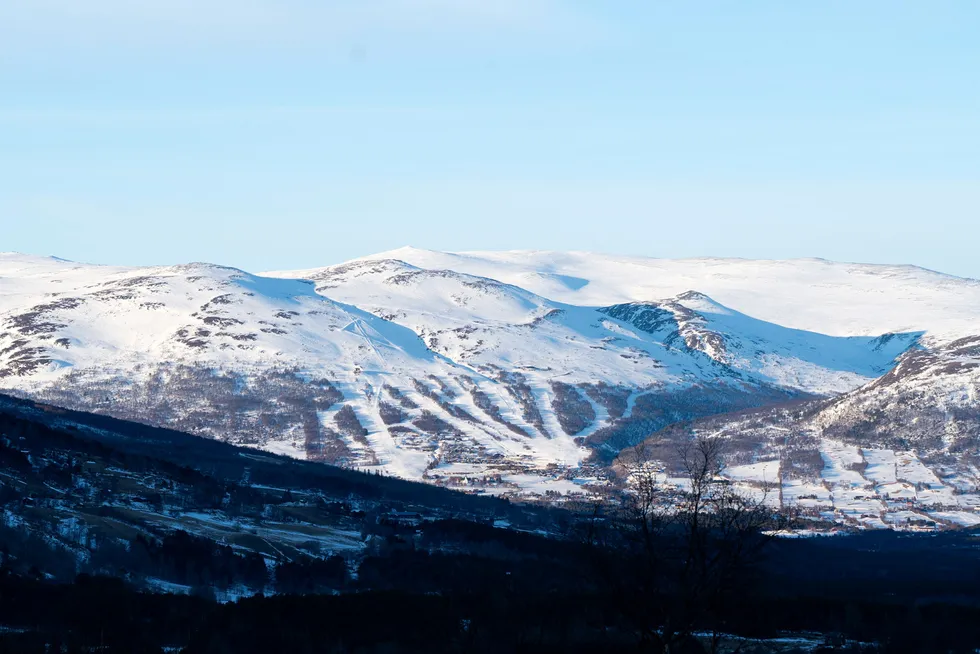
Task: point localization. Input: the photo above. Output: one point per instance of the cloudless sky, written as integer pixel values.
(271, 134)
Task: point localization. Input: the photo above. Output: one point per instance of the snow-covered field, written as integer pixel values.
(892, 491)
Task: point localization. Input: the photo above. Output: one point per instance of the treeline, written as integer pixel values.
(183, 559)
(466, 587)
(103, 614)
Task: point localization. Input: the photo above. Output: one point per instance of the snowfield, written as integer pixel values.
(827, 297)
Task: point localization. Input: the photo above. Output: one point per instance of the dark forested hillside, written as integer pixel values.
(169, 511)
(116, 537)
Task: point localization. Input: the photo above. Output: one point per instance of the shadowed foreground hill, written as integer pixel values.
(117, 537)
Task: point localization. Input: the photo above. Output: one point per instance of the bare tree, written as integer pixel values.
(675, 555)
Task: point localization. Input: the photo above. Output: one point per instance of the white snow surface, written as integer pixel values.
(477, 318)
(839, 299)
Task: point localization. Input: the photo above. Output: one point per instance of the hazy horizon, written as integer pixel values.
(597, 253)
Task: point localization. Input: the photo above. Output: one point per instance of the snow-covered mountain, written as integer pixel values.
(514, 372)
(833, 298)
(483, 323)
(902, 451)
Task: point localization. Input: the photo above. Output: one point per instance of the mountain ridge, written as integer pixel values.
(890, 292)
(466, 377)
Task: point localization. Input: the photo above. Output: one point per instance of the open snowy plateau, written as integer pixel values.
(527, 373)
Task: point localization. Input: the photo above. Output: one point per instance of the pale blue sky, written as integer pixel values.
(293, 133)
